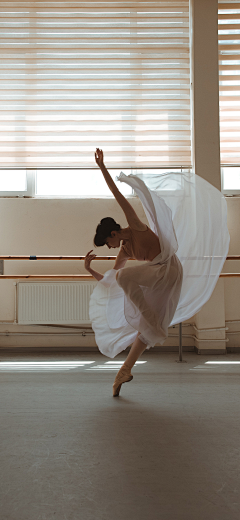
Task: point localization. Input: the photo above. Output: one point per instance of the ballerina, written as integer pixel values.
(151, 290)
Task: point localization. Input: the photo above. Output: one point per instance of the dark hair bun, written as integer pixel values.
(104, 229)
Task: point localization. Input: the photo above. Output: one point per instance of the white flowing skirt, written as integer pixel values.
(142, 299)
(189, 216)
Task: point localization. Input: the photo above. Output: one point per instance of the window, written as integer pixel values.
(70, 183)
(76, 183)
(231, 180)
(17, 183)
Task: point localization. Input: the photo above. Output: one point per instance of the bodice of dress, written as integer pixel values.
(141, 245)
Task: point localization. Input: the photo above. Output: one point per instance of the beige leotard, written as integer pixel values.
(141, 245)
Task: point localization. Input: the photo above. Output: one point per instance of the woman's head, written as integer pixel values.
(107, 232)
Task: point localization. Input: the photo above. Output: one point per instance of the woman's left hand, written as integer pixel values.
(88, 259)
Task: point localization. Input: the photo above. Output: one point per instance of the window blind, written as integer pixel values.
(80, 75)
(229, 80)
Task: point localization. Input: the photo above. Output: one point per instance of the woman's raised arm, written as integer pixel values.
(130, 214)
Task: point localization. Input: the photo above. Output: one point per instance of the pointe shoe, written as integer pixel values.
(123, 376)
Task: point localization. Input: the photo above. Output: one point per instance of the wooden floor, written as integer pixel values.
(166, 449)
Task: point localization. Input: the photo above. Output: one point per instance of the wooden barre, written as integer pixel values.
(76, 276)
(46, 276)
(52, 257)
(42, 257)
(228, 275)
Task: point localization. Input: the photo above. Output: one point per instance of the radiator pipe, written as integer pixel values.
(46, 334)
(91, 334)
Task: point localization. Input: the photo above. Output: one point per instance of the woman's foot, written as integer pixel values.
(123, 376)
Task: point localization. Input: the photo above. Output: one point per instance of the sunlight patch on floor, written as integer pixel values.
(221, 366)
(36, 366)
(112, 366)
(42, 365)
(222, 363)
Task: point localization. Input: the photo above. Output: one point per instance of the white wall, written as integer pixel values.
(67, 227)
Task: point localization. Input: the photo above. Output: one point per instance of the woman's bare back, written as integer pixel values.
(141, 245)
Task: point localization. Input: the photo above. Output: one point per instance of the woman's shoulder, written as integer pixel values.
(138, 226)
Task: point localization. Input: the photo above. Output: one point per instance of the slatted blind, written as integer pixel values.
(229, 80)
(80, 75)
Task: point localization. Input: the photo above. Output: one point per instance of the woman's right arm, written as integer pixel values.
(87, 262)
(130, 214)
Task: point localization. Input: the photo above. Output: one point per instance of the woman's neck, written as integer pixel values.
(124, 233)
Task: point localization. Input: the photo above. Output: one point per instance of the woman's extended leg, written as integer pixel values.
(124, 375)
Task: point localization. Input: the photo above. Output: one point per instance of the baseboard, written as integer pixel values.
(210, 351)
(174, 348)
(39, 350)
(233, 350)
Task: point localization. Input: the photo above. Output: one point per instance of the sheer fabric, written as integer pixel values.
(151, 294)
(142, 299)
(190, 218)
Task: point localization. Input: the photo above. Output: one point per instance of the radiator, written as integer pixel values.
(59, 302)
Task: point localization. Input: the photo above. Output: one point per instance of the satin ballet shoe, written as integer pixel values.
(123, 376)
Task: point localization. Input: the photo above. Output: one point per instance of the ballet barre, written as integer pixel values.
(89, 276)
(77, 276)
(61, 257)
(52, 257)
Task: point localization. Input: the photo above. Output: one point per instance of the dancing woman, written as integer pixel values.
(151, 290)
